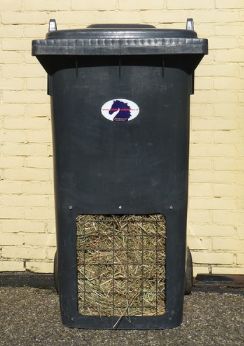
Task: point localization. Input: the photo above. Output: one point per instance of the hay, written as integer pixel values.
(121, 265)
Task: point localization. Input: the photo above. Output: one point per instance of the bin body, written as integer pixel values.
(136, 165)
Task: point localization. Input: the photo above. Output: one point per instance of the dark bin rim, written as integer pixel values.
(120, 39)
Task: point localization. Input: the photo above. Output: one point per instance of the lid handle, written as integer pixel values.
(52, 25)
(190, 24)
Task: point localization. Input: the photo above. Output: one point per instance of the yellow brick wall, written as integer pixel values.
(216, 201)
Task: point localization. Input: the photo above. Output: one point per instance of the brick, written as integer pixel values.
(15, 136)
(228, 83)
(224, 190)
(30, 96)
(50, 252)
(241, 97)
(210, 150)
(16, 44)
(227, 270)
(51, 227)
(11, 162)
(139, 5)
(219, 42)
(240, 259)
(240, 217)
(201, 216)
(226, 110)
(95, 5)
(10, 186)
(190, 4)
(11, 266)
(40, 187)
(46, 5)
(12, 213)
(232, 55)
(218, 69)
(11, 5)
(240, 232)
(233, 29)
(24, 173)
(211, 230)
(241, 71)
(36, 83)
(197, 269)
(14, 17)
(202, 163)
(34, 32)
(25, 123)
(38, 213)
(26, 70)
(39, 267)
(12, 109)
(10, 239)
(24, 226)
(42, 136)
(212, 258)
(29, 59)
(72, 18)
(197, 137)
(224, 217)
(219, 123)
(11, 30)
(23, 252)
(213, 203)
(229, 164)
(36, 239)
(197, 243)
(203, 189)
(228, 244)
(163, 18)
(37, 110)
(227, 137)
(11, 57)
(11, 84)
(216, 16)
(20, 149)
(199, 110)
(22, 200)
(212, 96)
(205, 29)
(229, 4)
(39, 162)
(203, 83)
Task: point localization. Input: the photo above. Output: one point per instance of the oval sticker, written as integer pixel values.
(120, 110)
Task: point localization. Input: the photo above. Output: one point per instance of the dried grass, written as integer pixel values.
(121, 265)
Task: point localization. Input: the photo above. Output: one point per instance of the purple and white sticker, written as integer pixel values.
(120, 110)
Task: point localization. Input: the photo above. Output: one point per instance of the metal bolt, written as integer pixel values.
(52, 25)
(171, 207)
(189, 24)
(70, 207)
(120, 206)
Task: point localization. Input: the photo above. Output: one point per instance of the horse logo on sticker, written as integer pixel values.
(120, 110)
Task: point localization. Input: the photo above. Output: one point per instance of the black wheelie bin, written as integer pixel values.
(120, 100)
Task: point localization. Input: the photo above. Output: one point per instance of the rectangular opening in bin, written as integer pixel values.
(121, 265)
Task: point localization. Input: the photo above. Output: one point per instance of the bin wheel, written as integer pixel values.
(55, 272)
(188, 272)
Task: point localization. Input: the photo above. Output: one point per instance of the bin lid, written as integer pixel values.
(119, 39)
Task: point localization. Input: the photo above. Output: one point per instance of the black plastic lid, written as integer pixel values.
(123, 31)
(119, 39)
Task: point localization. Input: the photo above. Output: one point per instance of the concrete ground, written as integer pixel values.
(30, 316)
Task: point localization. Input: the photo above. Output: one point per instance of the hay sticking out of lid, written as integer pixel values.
(121, 265)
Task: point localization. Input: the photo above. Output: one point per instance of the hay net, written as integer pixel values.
(121, 265)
